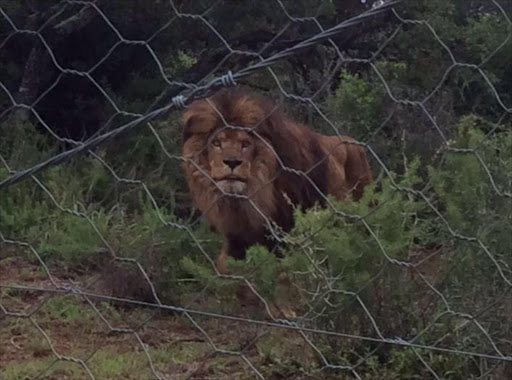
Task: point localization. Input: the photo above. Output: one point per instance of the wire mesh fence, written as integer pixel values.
(109, 271)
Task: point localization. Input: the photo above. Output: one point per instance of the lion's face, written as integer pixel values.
(230, 166)
(230, 154)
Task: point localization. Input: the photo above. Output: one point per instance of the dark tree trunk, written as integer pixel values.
(36, 73)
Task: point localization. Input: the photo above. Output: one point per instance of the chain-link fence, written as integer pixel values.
(107, 267)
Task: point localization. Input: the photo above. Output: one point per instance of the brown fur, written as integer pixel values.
(238, 178)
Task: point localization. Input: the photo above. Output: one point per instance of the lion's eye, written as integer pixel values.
(246, 144)
(216, 143)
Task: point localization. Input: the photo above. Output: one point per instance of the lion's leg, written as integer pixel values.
(221, 260)
(230, 247)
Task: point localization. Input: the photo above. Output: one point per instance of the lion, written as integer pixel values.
(247, 165)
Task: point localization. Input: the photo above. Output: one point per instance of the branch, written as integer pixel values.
(76, 22)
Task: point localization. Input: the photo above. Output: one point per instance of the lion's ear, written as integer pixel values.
(186, 126)
(198, 119)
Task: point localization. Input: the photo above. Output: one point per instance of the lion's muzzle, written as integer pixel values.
(232, 184)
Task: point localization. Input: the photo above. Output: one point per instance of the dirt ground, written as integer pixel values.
(52, 335)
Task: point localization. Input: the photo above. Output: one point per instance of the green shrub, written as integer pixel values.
(357, 102)
(472, 193)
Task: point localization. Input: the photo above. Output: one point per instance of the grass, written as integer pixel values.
(25, 369)
(155, 343)
(148, 342)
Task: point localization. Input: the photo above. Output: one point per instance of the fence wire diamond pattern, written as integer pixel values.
(60, 321)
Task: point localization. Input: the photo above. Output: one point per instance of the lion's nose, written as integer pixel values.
(232, 162)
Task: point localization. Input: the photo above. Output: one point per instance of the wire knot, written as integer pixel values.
(179, 101)
(286, 322)
(228, 80)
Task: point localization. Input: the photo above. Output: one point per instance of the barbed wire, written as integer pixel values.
(228, 79)
(203, 89)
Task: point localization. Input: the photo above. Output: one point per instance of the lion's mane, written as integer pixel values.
(292, 165)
